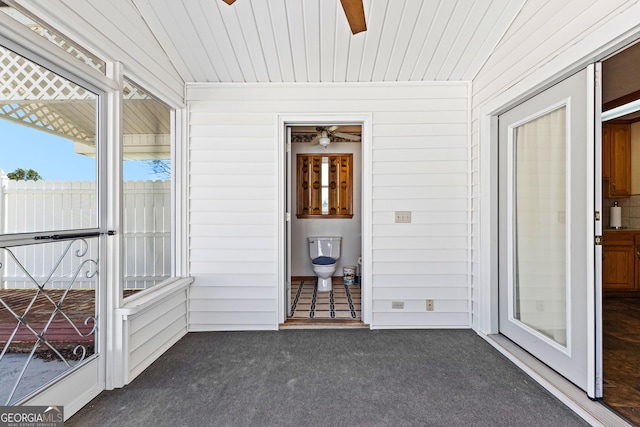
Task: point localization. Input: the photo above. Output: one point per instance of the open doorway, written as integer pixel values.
(324, 232)
(621, 232)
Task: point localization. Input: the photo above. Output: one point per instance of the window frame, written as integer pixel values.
(174, 114)
(309, 197)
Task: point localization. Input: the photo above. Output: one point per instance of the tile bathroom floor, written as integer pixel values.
(343, 302)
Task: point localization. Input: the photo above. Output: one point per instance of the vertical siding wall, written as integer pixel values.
(544, 32)
(419, 157)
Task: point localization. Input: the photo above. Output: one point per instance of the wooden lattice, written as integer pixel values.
(40, 115)
(70, 48)
(130, 91)
(36, 97)
(55, 38)
(21, 79)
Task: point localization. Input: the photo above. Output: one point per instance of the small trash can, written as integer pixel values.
(349, 274)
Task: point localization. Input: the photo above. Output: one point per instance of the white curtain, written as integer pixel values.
(540, 231)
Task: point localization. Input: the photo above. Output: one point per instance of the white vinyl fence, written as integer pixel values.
(63, 205)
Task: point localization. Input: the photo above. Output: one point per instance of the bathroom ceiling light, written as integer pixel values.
(324, 139)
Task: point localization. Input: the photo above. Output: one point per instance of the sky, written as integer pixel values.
(53, 157)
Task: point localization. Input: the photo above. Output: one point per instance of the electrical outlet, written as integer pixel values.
(429, 305)
(397, 305)
(403, 217)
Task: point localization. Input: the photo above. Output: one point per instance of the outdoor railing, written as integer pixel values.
(47, 329)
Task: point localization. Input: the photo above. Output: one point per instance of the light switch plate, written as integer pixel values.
(403, 217)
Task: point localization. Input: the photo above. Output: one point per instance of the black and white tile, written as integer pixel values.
(343, 302)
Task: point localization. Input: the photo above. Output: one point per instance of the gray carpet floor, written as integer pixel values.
(342, 377)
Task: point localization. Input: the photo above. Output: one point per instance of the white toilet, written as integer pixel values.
(324, 253)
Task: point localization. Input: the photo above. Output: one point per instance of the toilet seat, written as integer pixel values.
(324, 252)
(323, 260)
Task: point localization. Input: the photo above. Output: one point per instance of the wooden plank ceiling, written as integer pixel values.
(298, 40)
(310, 40)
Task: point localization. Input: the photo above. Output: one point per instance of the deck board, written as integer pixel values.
(77, 304)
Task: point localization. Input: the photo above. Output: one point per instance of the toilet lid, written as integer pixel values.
(324, 260)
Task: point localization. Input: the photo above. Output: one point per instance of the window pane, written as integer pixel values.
(147, 190)
(48, 172)
(540, 228)
(324, 177)
(325, 172)
(48, 145)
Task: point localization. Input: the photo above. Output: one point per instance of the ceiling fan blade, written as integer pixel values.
(347, 136)
(316, 139)
(228, 1)
(354, 10)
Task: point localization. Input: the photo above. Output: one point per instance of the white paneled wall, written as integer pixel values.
(544, 38)
(420, 152)
(151, 324)
(154, 331)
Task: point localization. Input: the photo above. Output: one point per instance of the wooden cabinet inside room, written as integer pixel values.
(621, 262)
(616, 160)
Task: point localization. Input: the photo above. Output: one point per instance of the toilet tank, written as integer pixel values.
(324, 246)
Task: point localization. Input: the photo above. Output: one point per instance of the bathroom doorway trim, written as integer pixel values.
(364, 120)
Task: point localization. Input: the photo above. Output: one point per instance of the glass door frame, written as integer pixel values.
(486, 320)
(90, 375)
